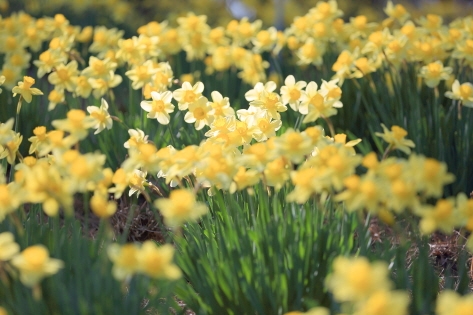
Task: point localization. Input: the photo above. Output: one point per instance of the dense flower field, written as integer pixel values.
(298, 171)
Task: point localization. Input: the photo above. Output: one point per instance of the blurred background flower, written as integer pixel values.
(129, 15)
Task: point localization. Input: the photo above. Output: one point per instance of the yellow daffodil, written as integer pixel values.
(34, 264)
(451, 303)
(159, 107)
(25, 90)
(101, 116)
(125, 260)
(8, 247)
(462, 92)
(355, 279)
(156, 261)
(434, 72)
(180, 207)
(396, 138)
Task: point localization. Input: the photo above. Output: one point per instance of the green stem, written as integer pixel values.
(386, 152)
(330, 126)
(174, 143)
(17, 122)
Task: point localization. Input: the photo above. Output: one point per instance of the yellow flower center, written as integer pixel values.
(369, 189)
(352, 182)
(309, 51)
(395, 46)
(29, 161)
(263, 125)
(443, 210)
(431, 168)
(199, 113)
(63, 74)
(35, 257)
(263, 37)
(377, 303)
(376, 38)
(300, 23)
(363, 65)
(334, 93)
(245, 29)
(128, 256)
(99, 115)
(158, 106)
(189, 96)
(147, 151)
(81, 168)
(46, 57)
(142, 73)
(5, 198)
(434, 69)
(294, 140)
(360, 22)
(27, 82)
(40, 132)
(99, 67)
(465, 91)
(399, 188)
(359, 276)
(398, 132)
(324, 8)
(56, 136)
(294, 94)
(76, 116)
(271, 101)
(11, 43)
(55, 96)
(433, 20)
(320, 30)
(337, 163)
(16, 60)
(318, 102)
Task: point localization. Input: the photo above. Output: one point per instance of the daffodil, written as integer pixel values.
(125, 260)
(462, 92)
(434, 72)
(291, 92)
(156, 261)
(8, 247)
(181, 206)
(34, 264)
(355, 279)
(451, 303)
(396, 139)
(159, 107)
(25, 90)
(101, 116)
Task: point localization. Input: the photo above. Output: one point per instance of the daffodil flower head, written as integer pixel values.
(25, 90)
(102, 118)
(462, 92)
(181, 206)
(8, 247)
(355, 279)
(396, 138)
(451, 303)
(34, 264)
(159, 107)
(156, 261)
